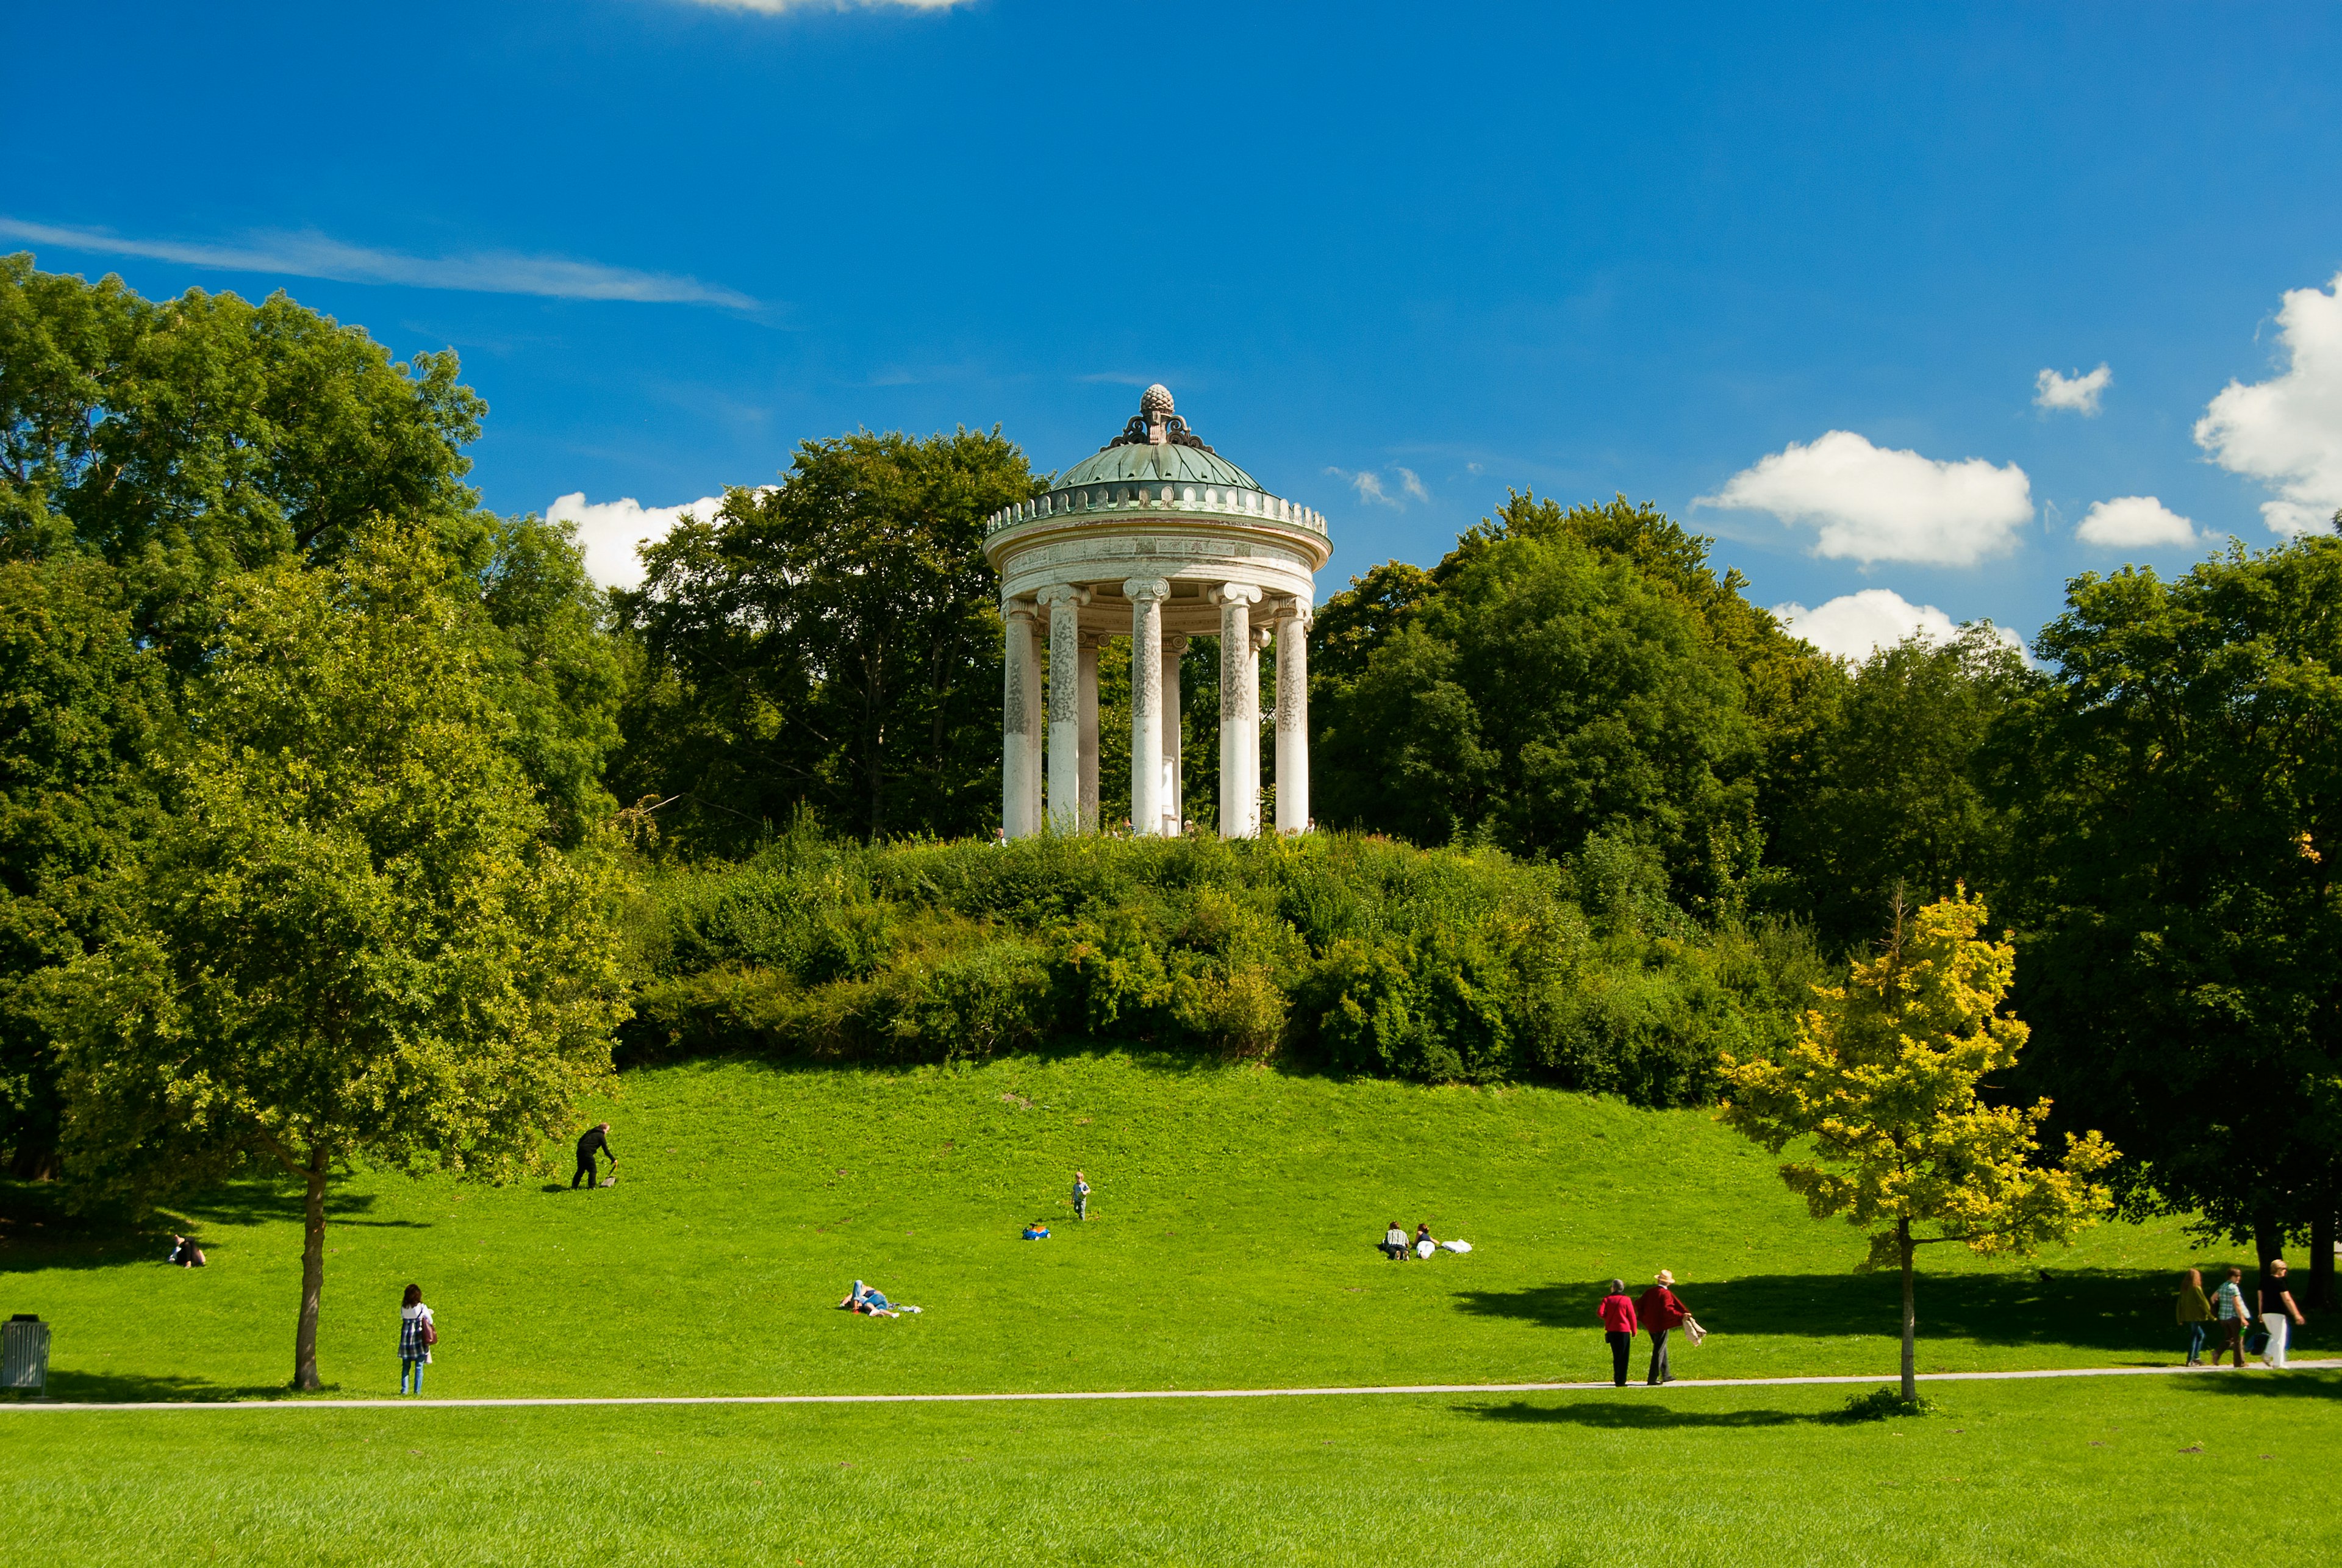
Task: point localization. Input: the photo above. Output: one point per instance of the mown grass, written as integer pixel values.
(1236, 1210)
(2095, 1472)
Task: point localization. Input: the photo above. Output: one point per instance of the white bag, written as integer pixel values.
(1692, 1329)
(1457, 1246)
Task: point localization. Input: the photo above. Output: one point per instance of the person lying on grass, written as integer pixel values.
(870, 1301)
(1036, 1232)
(1426, 1243)
(1393, 1242)
(185, 1253)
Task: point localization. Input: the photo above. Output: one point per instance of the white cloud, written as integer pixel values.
(611, 531)
(1874, 504)
(2135, 523)
(314, 254)
(2286, 431)
(1411, 486)
(1375, 493)
(1856, 625)
(2079, 392)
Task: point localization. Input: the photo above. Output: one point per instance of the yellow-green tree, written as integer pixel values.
(1880, 1088)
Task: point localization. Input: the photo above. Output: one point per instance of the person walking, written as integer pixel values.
(417, 1334)
(1660, 1311)
(1081, 1197)
(2195, 1312)
(596, 1138)
(2279, 1315)
(1618, 1314)
(2230, 1311)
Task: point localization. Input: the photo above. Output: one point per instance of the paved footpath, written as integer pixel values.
(1681, 1382)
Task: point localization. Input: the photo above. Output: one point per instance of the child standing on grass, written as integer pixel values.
(1081, 1197)
(417, 1335)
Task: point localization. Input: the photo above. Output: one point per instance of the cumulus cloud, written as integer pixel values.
(611, 530)
(1856, 625)
(2079, 392)
(2286, 431)
(2135, 523)
(1875, 503)
(313, 254)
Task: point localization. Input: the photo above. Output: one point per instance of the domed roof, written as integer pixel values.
(1157, 444)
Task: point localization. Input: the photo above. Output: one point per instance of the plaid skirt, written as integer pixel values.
(411, 1344)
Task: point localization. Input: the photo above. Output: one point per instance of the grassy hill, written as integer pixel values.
(1231, 1245)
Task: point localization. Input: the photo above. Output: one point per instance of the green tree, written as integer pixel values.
(353, 939)
(151, 451)
(1896, 795)
(833, 641)
(2180, 781)
(1544, 694)
(1881, 1085)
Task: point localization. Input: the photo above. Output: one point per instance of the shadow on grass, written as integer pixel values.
(2111, 1310)
(113, 1388)
(1631, 1412)
(2302, 1385)
(38, 1231)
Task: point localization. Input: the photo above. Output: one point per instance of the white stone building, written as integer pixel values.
(1160, 538)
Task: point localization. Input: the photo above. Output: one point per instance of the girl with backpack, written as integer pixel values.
(417, 1334)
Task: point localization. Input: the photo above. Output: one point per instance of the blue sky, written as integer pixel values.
(1794, 274)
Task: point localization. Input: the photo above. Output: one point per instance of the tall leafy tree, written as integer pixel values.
(1897, 795)
(832, 641)
(354, 938)
(2180, 785)
(1543, 694)
(1882, 1086)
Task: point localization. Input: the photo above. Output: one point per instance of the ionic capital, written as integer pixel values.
(1296, 608)
(1175, 641)
(1233, 593)
(1061, 593)
(1155, 589)
(1017, 610)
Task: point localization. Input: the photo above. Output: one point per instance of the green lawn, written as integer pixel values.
(1236, 1210)
(2084, 1470)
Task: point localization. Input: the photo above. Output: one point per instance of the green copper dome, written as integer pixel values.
(1137, 460)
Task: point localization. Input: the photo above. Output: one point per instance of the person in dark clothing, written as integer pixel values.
(596, 1138)
(1660, 1311)
(1618, 1314)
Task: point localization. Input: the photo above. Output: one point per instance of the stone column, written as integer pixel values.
(1147, 595)
(1020, 724)
(1239, 711)
(1064, 603)
(1292, 718)
(1088, 678)
(1175, 790)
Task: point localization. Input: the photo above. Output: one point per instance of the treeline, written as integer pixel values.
(1591, 813)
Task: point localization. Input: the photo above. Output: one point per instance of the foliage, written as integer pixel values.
(830, 641)
(1897, 794)
(351, 938)
(1887, 1404)
(1881, 1086)
(2180, 785)
(1359, 955)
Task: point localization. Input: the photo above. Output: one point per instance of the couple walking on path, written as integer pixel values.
(1660, 1313)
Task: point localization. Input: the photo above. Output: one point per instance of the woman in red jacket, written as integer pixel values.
(1618, 1314)
(1660, 1311)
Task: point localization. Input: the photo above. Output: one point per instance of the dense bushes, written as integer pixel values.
(1351, 954)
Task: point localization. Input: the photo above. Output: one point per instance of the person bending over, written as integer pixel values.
(596, 1138)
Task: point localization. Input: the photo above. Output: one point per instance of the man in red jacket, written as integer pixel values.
(1618, 1314)
(1660, 1311)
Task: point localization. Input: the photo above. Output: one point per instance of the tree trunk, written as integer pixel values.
(2321, 1252)
(313, 1271)
(2269, 1240)
(1910, 1318)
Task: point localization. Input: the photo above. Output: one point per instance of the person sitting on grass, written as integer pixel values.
(1036, 1232)
(1393, 1242)
(185, 1253)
